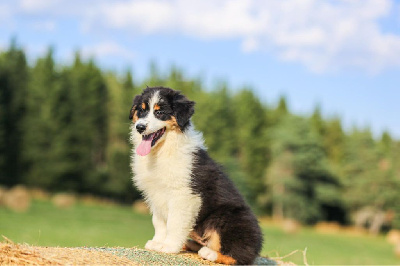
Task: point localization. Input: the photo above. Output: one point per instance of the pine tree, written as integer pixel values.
(301, 185)
(252, 145)
(41, 124)
(14, 78)
(334, 140)
(118, 183)
(215, 120)
(81, 137)
(318, 123)
(369, 175)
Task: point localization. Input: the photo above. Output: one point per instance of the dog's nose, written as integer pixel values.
(140, 128)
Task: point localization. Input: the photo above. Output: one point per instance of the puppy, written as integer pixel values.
(188, 193)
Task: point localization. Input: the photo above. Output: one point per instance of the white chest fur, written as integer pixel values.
(164, 174)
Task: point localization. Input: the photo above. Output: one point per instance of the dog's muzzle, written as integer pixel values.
(141, 128)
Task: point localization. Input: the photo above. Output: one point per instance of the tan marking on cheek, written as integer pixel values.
(135, 117)
(173, 124)
(156, 107)
(143, 106)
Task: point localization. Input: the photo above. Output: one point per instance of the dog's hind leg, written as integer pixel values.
(212, 252)
(195, 243)
(191, 245)
(215, 256)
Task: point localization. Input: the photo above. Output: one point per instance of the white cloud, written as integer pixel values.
(105, 49)
(32, 6)
(322, 35)
(250, 45)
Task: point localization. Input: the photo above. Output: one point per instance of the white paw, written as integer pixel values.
(153, 245)
(166, 248)
(208, 254)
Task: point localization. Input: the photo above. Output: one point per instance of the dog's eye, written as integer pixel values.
(158, 112)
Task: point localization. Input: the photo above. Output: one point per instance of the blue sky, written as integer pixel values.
(343, 55)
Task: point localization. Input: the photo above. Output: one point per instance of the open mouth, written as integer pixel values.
(148, 141)
(154, 136)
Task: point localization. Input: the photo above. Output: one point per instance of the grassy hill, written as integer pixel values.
(119, 226)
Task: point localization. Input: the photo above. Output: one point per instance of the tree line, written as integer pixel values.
(66, 128)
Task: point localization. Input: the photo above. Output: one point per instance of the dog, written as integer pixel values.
(188, 193)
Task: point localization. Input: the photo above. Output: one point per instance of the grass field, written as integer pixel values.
(45, 225)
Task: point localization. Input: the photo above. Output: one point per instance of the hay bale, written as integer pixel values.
(327, 227)
(393, 237)
(291, 226)
(3, 191)
(397, 250)
(92, 200)
(140, 206)
(16, 254)
(40, 194)
(63, 200)
(17, 199)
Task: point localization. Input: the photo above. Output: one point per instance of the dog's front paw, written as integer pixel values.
(153, 245)
(166, 248)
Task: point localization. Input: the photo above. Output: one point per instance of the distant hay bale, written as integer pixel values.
(141, 207)
(89, 199)
(3, 191)
(92, 200)
(291, 226)
(397, 250)
(327, 227)
(63, 200)
(40, 194)
(393, 237)
(17, 199)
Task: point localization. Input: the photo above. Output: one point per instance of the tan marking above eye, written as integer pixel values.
(156, 107)
(143, 106)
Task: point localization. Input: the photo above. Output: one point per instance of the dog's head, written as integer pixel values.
(157, 111)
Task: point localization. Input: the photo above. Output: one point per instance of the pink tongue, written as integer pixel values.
(144, 147)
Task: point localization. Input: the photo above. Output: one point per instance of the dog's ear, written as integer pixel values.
(183, 110)
(136, 102)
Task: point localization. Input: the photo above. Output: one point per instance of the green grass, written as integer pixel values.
(45, 225)
(81, 225)
(336, 248)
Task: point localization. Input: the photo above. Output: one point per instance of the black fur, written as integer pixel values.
(183, 110)
(224, 210)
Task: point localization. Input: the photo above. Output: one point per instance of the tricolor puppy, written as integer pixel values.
(187, 192)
